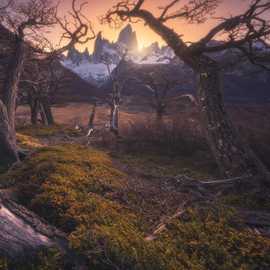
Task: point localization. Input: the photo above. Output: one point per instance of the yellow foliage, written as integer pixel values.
(80, 191)
(47, 131)
(28, 142)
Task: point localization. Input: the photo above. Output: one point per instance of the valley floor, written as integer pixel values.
(134, 202)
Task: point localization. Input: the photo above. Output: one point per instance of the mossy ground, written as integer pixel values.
(46, 131)
(50, 259)
(256, 201)
(166, 166)
(79, 190)
(28, 142)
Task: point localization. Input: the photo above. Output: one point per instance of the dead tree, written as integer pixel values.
(40, 82)
(27, 22)
(241, 32)
(115, 104)
(160, 85)
(8, 149)
(115, 99)
(91, 126)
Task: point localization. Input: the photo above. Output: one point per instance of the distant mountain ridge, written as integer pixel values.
(244, 82)
(91, 67)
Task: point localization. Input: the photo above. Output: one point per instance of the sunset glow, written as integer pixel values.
(97, 8)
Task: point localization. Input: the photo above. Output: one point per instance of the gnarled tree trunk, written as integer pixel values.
(43, 115)
(8, 149)
(34, 108)
(14, 72)
(8, 146)
(41, 106)
(23, 235)
(233, 155)
(47, 110)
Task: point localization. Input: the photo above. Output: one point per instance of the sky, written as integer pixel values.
(97, 8)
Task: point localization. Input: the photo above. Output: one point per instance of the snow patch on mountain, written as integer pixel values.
(91, 67)
(95, 73)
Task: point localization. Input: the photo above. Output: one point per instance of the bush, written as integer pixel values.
(170, 136)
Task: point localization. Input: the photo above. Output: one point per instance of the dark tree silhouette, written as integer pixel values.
(160, 84)
(27, 21)
(240, 32)
(39, 84)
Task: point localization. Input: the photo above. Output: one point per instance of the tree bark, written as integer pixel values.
(114, 119)
(8, 146)
(8, 149)
(23, 234)
(12, 81)
(34, 107)
(92, 117)
(46, 109)
(233, 155)
(43, 115)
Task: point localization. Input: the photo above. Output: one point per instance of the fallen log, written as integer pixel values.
(23, 234)
(163, 226)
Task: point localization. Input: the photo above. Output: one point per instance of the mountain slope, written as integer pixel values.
(244, 82)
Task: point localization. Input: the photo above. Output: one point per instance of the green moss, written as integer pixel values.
(3, 263)
(28, 142)
(49, 259)
(206, 239)
(80, 191)
(248, 200)
(161, 165)
(53, 178)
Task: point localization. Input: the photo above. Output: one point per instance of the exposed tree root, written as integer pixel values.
(209, 192)
(163, 226)
(23, 234)
(256, 220)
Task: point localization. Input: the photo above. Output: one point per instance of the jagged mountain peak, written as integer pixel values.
(128, 38)
(99, 35)
(127, 30)
(91, 67)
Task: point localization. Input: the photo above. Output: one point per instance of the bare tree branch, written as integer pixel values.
(233, 156)
(238, 31)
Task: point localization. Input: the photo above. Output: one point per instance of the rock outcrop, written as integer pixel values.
(128, 38)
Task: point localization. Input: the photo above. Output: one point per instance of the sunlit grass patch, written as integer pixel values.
(47, 131)
(166, 166)
(81, 192)
(28, 142)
